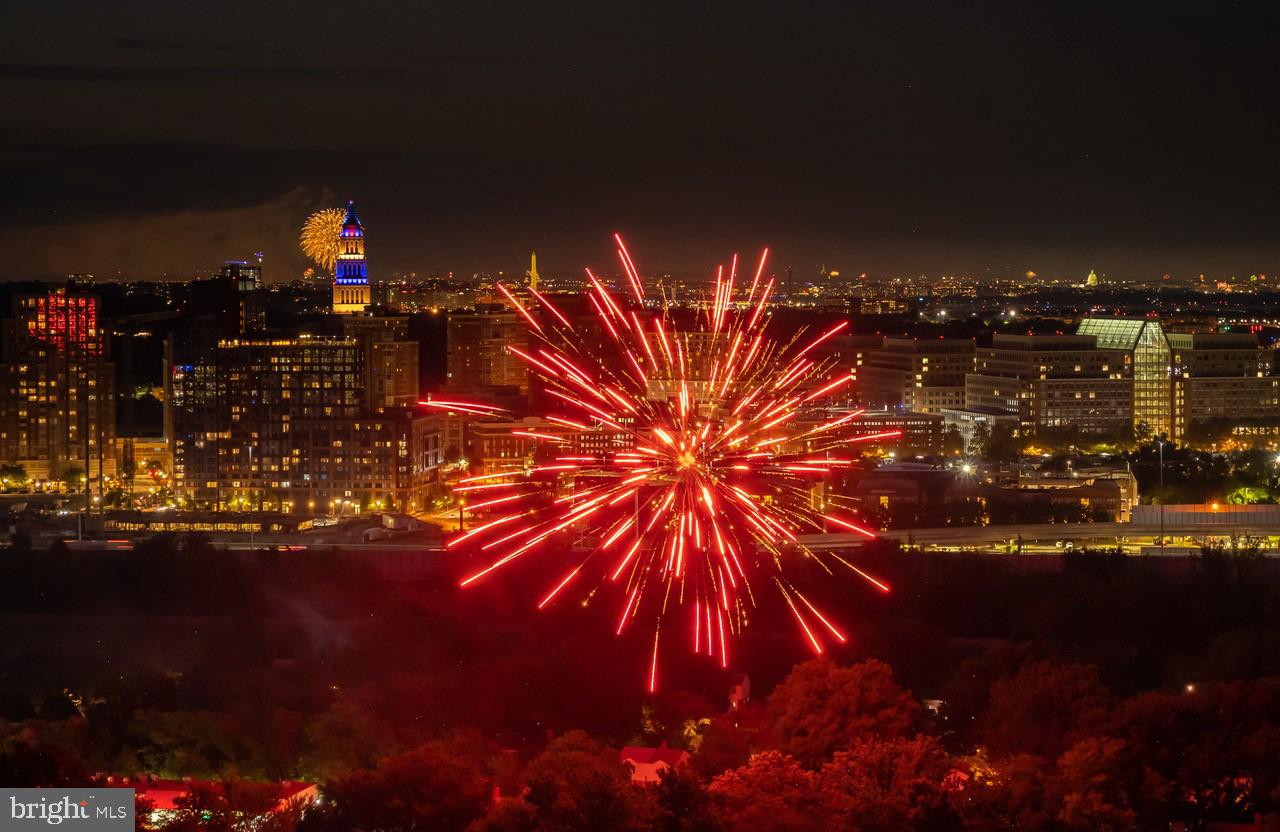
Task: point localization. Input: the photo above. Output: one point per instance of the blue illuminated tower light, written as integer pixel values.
(351, 273)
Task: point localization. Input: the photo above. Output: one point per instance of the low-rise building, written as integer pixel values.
(904, 431)
(975, 425)
(495, 446)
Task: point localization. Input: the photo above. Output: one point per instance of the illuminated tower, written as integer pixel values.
(351, 273)
(533, 270)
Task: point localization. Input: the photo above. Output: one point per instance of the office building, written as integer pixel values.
(1062, 382)
(1148, 355)
(1186, 382)
(895, 430)
(1222, 378)
(854, 350)
(922, 375)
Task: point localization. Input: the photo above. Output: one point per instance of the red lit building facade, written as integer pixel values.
(57, 388)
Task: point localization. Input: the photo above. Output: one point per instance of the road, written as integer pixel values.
(1046, 536)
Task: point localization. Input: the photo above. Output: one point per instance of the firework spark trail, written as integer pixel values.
(720, 435)
(319, 237)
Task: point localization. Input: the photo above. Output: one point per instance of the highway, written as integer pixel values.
(1056, 536)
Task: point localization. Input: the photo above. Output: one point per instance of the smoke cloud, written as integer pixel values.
(171, 245)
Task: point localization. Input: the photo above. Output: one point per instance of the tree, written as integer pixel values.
(1038, 709)
(13, 475)
(178, 743)
(1010, 793)
(727, 741)
(1250, 495)
(430, 787)
(274, 743)
(771, 793)
(72, 477)
(142, 809)
(668, 716)
(37, 753)
(821, 708)
(890, 784)
(952, 441)
(1218, 743)
(968, 691)
(1099, 784)
(507, 815)
(981, 438)
(682, 802)
(576, 783)
(343, 738)
(1239, 654)
(1001, 445)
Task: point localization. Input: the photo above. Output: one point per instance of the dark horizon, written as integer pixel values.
(898, 138)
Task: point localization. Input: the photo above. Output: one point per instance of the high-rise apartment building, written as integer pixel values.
(57, 388)
(284, 424)
(477, 348)
(235, 413)
(243, 281)
(390, 359)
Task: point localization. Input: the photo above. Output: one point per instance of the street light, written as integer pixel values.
(1160, 444)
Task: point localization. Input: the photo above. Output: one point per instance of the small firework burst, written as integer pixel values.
(319, 237)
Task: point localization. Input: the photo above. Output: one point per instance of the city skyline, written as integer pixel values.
(692, 417)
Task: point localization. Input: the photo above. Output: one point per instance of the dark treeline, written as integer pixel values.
(1087, 692)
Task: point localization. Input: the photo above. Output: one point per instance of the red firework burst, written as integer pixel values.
(717, 436)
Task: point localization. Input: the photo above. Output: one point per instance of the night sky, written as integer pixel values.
(151, 138)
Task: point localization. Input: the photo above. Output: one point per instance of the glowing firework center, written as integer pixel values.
(686, 461)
